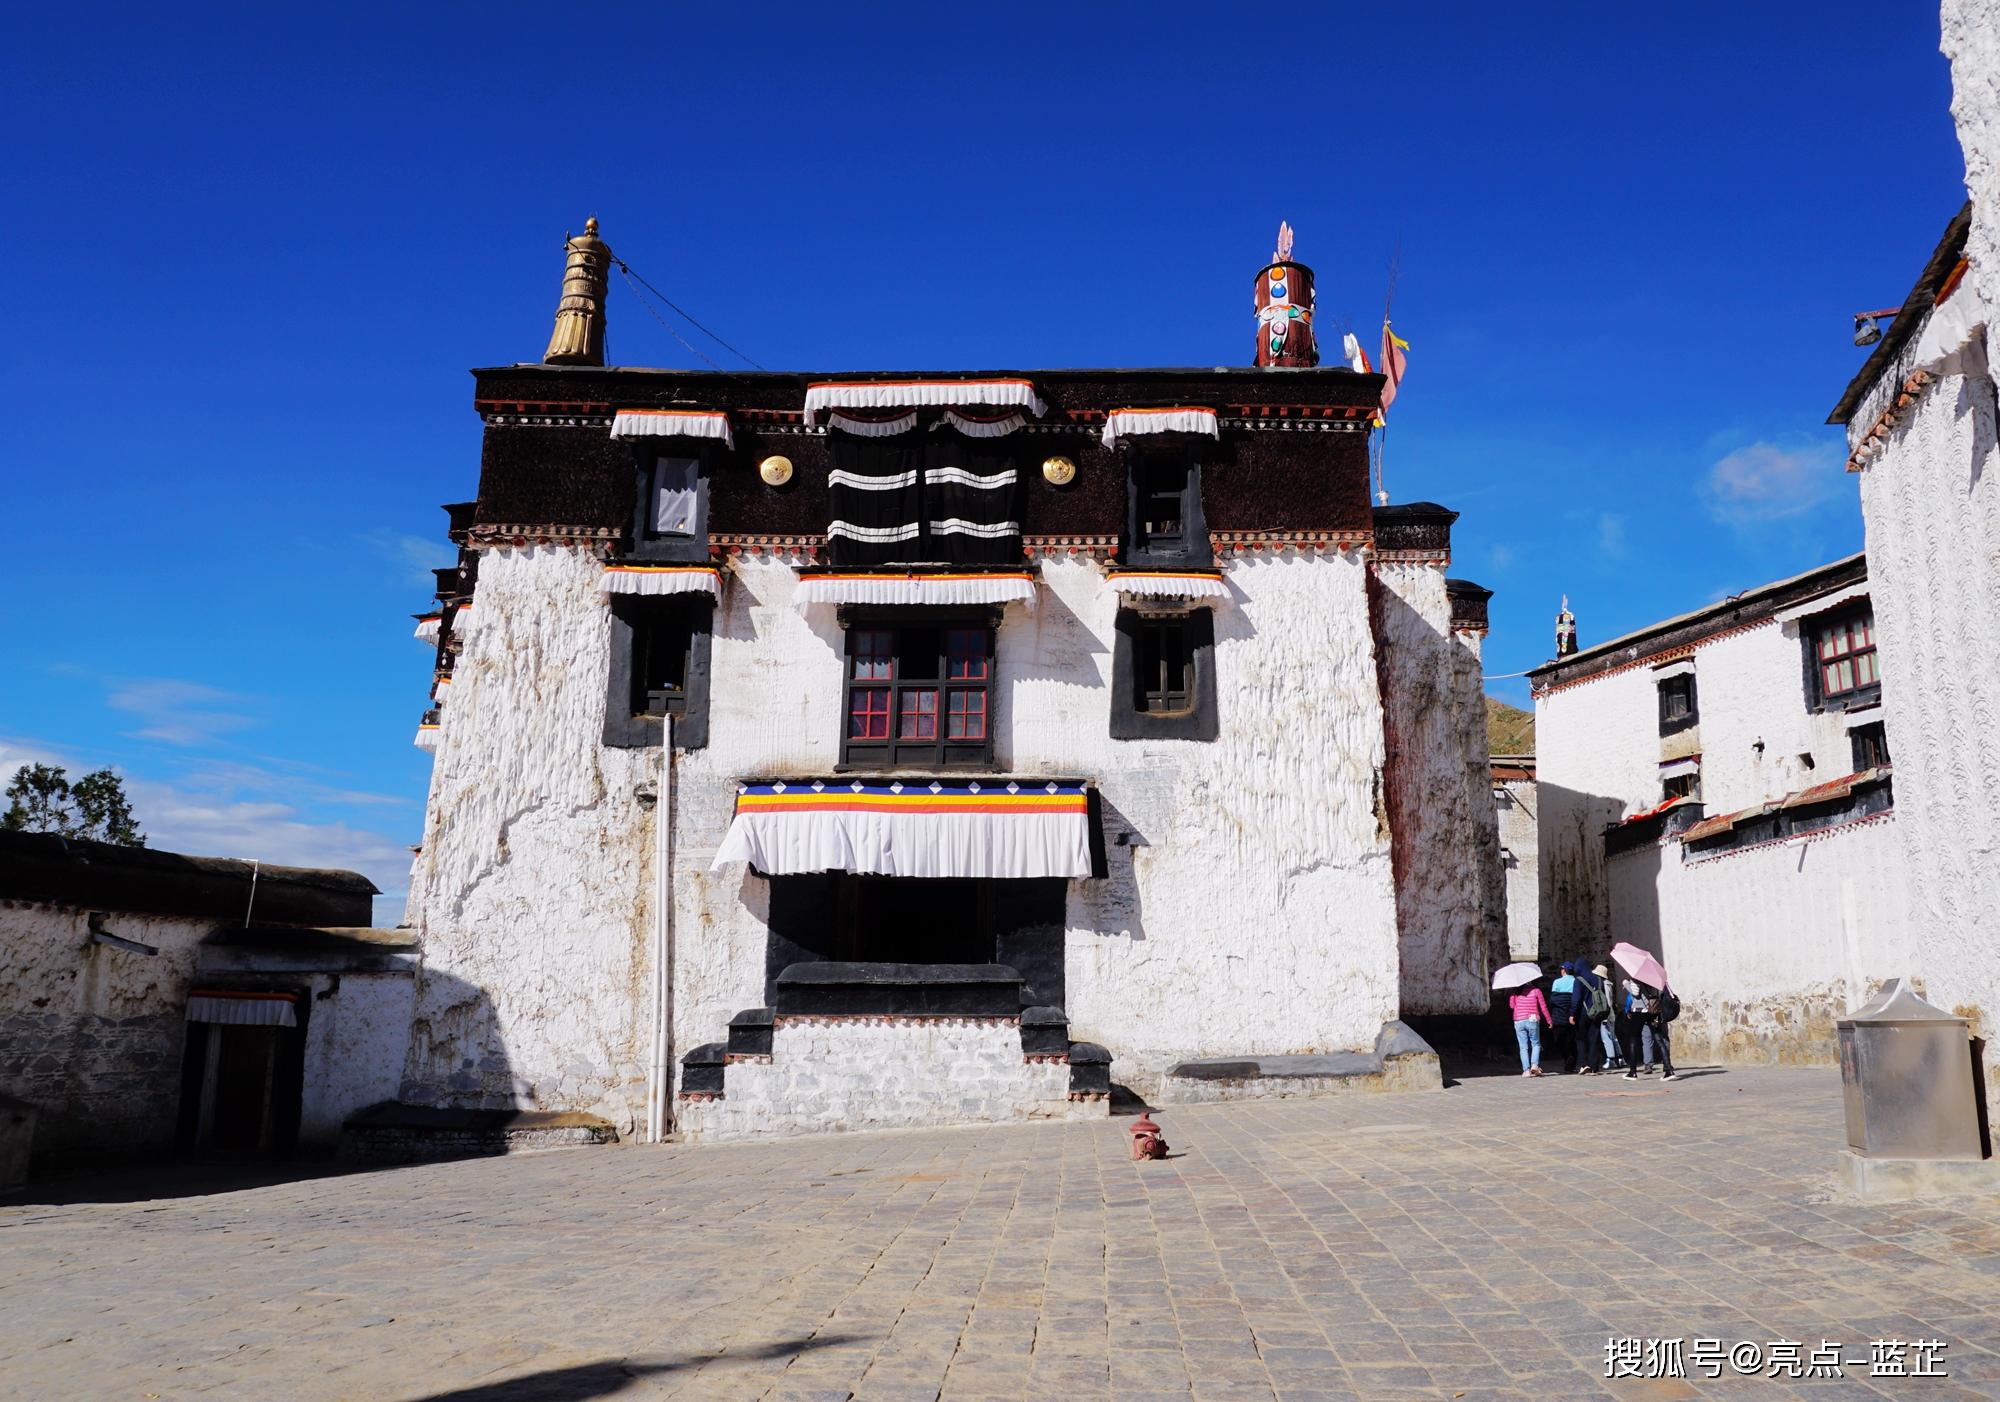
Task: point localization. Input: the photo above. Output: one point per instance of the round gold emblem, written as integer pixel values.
(1059, 471)
(776, 470)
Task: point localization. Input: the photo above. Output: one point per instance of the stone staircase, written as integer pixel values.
(890, 1046)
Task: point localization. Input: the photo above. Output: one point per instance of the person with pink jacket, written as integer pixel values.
(1531, 1013)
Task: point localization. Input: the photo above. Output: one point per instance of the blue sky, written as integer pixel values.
(250, 255)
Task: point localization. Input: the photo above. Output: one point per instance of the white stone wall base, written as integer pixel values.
(832, 1075)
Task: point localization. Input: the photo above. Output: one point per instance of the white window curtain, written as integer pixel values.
(676, 495)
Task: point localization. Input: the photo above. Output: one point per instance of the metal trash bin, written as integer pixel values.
(1906, 1073)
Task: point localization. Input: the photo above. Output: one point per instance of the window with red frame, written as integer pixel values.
(1844, 669)
(918, 695)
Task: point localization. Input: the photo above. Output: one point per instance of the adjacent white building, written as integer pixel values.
(1716, 788)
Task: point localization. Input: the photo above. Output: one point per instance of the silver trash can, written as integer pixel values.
(1906, 1073)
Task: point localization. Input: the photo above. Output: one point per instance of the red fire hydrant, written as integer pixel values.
(1146, 1141)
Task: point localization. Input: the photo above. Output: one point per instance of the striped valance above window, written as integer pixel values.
(930, 587)
(661, 579)
(240, 1008)
(1178, 584)
(1184, 418)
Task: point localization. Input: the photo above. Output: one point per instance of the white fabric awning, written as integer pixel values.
(462, 619)
(921, 394)
(1186, 418)
(920, 827)
(1679, 667)
(240, 1009)
(1824, 603)
(1951, 326)
(1179, 584)
(989, 587)
(672, 423)
(872, 428)
(427, 738)
(662, 579)
(1674, 768)
(984, 425)
(427, 628)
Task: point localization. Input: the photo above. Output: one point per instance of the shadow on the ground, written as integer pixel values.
(144, 1181)
(601, 1379)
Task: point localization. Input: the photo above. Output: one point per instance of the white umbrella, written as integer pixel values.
(1517, 976)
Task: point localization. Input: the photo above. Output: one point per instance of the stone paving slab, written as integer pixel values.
(1480, 1243)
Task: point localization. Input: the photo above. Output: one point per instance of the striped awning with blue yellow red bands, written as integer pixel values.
(923, 827)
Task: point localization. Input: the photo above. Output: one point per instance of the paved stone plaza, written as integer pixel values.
(1483, 1242)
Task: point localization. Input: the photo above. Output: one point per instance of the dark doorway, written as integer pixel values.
(242, 1090)
(914, 920)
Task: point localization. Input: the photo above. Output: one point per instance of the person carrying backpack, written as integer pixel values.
(1593, 1005)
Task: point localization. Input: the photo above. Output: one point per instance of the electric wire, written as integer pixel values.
(633, 276)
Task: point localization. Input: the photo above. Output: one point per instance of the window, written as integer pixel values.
(659, 668)
(1682, 786)
(1871, 746)
(1164, 521)
(1163, 675)
(918, 694)
(1677, 705)
(1164, 684)
(1842, 661)
(670, 521)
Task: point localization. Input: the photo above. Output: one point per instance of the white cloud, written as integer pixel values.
(1771, 482)
(414, 556)
(1500, 557)
(1611, 534)
(179, 712)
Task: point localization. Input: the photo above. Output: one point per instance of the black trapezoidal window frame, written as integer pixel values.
(1188, 545)
(633, 709)
(1130, 717)
(951, 688)
(1870, 745)
(1679, 703)
(643, 541)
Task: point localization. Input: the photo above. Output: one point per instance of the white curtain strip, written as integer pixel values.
(915, 589)
(861, 481)
(462, 619)
(427, 738)
(1168, 585)
(427, 630)
(1005, 845)
(1128, 423)
(1823, 603)
(874, 535)
(922, 394)
(672, 423)
(958, 525)
(1674, 768)
(873, 428)
(242, 1012)
(959, 477)
(1681, 667)
(663, 579)
(988, 428)
(1950, 328)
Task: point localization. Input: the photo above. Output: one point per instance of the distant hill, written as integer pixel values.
(1509, 729)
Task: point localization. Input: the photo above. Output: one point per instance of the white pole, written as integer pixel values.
(659, 1081)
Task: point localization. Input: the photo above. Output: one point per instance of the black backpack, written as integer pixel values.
(1669, 1006)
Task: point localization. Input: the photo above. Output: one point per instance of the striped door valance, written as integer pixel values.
(921, 500)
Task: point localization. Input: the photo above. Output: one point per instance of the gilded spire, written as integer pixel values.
(579, 333)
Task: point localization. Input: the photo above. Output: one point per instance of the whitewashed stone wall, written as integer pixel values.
(848, 1073)
(1249, 907)
(356, 1038)
(1516, 806)
(1770, 945)
(1437, 793)
(536, 873)
(92, 1034)
(1599, 749)
(1971, 40)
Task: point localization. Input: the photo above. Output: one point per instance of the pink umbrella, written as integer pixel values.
(1641, 965)
(1516, 976)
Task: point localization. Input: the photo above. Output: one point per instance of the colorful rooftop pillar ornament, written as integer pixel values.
(579, 335)
(1565, 630)
(1284, 300)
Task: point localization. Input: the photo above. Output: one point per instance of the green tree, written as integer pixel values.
(42, 799)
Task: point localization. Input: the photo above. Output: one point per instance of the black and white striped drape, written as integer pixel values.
(924, 498)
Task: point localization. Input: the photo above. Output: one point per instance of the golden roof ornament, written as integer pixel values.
(579, 333)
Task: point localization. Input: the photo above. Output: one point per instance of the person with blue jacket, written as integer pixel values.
(1562, 1009)
(1589, 1023)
